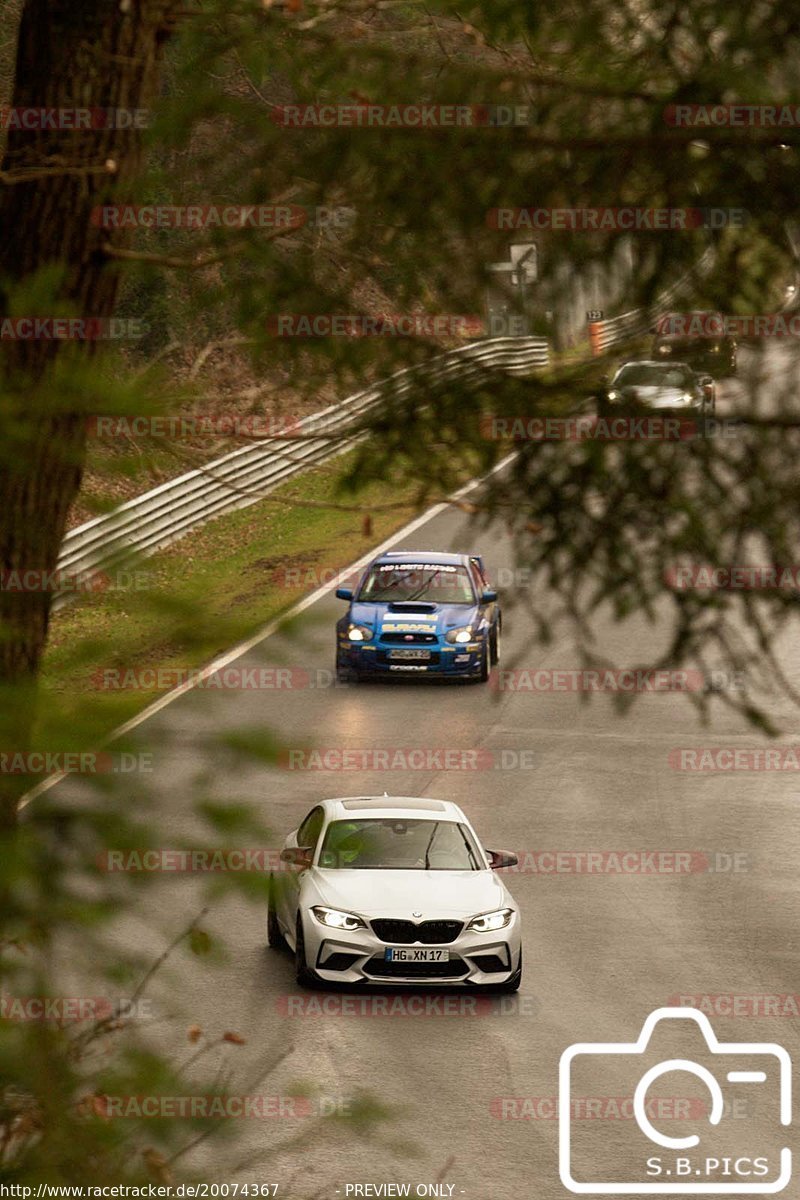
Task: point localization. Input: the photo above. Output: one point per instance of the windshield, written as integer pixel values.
(431, 582)
(399, 845)
(644, 375)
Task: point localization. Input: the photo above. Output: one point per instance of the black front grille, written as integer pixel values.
(381, 969)
(398, 639)
(490, 962)
(428, 933)
(338, 962)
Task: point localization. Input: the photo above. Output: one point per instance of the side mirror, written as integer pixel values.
(488, 596)
(502, 858)
(298, 856)
(344, 593)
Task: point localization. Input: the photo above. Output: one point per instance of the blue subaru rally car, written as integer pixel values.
(419, 613)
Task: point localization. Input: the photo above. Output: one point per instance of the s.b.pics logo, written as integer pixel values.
(731, 1142)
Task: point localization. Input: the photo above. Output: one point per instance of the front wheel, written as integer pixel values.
(495, 645)
(275, 939)
(345, 674)
(483, 671)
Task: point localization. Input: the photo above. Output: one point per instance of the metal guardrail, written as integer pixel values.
(163, 515)
(605, 334)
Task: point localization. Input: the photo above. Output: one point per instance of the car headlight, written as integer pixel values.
(614, 394)
(461, 635)
(488, 922)
(714, 347)
(687, 397)
(336, 919)
(663, 349)
(359, 633)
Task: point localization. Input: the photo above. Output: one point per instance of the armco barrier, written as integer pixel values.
(605, 334)
(161, 516)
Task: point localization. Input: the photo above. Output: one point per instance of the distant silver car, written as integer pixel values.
(394, 890)
(672, 386)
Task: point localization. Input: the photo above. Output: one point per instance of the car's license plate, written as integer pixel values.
(415, 954)
(417, 654)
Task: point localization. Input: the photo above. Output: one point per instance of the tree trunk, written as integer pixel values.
(71, 54)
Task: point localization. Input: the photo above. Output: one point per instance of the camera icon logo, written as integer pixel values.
(664, 1164)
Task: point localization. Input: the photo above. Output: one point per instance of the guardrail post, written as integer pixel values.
(596, 336)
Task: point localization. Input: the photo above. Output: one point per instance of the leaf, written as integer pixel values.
(199, 942)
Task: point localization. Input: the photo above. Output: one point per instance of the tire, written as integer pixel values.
(275, 939)
(483, 674)
(305, 977)
(511, 985)
(346, 674)
(494, 646)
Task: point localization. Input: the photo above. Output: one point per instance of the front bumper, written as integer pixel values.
(379, 658)
(358, 957)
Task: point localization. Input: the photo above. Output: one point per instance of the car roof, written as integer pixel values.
(433, 557)
(416, 807)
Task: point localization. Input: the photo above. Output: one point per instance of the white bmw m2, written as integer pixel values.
(394, 890)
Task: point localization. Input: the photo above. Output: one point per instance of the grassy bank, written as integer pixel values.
(197, 598)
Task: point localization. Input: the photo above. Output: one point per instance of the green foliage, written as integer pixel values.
(598, 524)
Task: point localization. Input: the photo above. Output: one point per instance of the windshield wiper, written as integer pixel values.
(422, 589)
(428, 847)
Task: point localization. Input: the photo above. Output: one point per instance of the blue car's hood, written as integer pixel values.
(408, 617)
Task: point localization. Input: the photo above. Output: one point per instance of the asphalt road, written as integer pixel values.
(468, 1091)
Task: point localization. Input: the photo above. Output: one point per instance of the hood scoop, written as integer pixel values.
(412, 606)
